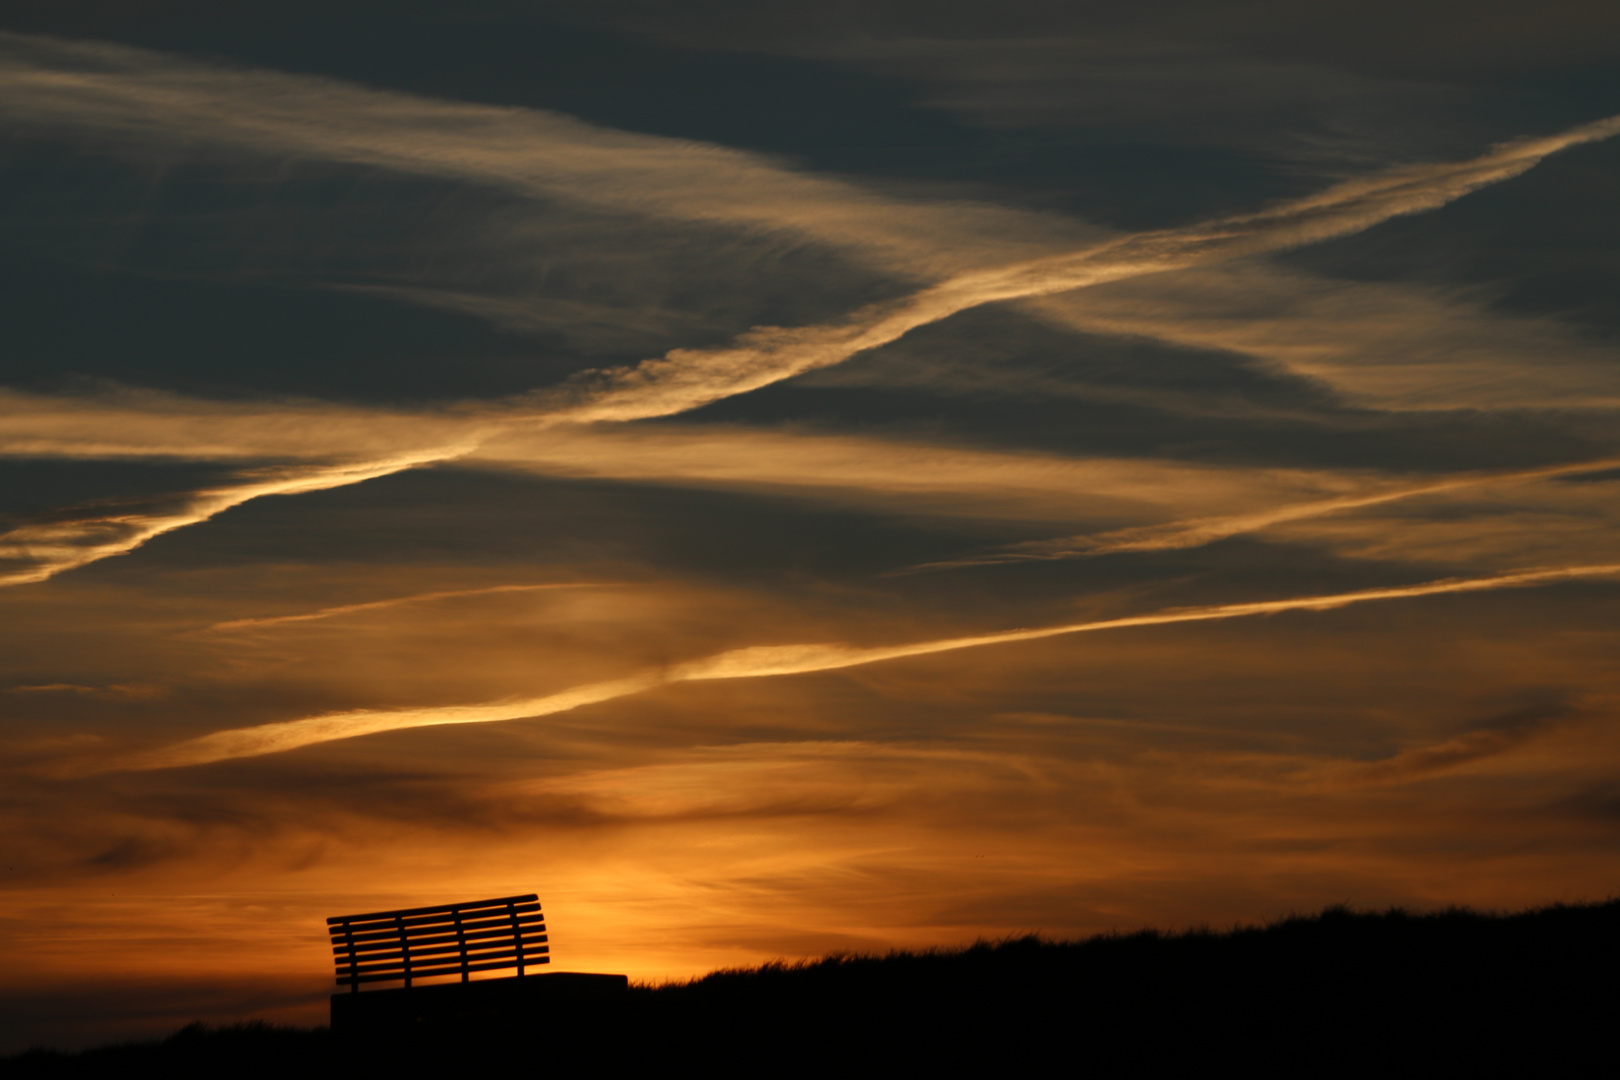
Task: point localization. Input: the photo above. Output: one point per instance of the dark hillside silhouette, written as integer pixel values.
(1338, 994)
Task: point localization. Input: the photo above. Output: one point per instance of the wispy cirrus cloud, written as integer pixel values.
(38, 551)
(1198, 532)
(134, 95)
(901, 473)
(142, 102)
(1501, 736)
(766, 661)
(1363, 345)
(126, 423)
(898, 474)
(689, 378)
(1375, 345)
(341, 610)
(1178, 92)
(903, 476)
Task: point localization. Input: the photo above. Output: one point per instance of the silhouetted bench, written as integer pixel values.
(451, 940)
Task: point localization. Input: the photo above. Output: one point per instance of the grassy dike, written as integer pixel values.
(1337, 994)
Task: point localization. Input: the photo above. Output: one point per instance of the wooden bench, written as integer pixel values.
(449, 941)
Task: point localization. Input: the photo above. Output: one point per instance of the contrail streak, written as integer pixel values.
(397, 601)
(761, 662)
(689, 378)
(685, 379)
(1201, 531)
(48, 549)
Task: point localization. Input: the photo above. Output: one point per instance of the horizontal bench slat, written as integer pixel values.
(527, 898)
(441, 961)
(431, 925)
(391, 941)
(431, 920)
(476, 953)
(414, 933)
(426, 973)
(435, 920)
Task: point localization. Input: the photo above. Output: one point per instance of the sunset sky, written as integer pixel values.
(775, 478)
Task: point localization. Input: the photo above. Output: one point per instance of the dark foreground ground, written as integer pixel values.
(1339, 994)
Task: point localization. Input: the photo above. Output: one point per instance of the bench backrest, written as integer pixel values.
(453, 939)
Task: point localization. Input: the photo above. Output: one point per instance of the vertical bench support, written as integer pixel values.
(517, 935)
(404, 949)
(354, 958)
(461, 940)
